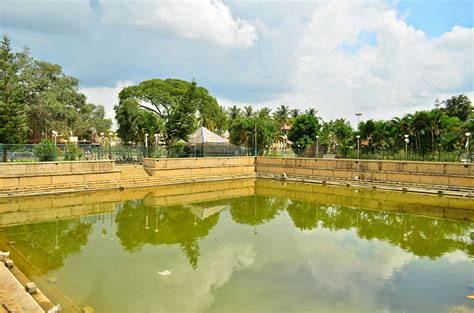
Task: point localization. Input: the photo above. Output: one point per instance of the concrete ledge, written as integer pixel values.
(191, 167)
(37, 168)
(432, 173)
(459, 208)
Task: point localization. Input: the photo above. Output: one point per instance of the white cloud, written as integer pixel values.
(209, 20)
(401, 71)
(106, 96)
(313, 54)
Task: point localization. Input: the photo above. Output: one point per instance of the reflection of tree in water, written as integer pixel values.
(420, 235)
(303, 214)
(138, 225)
(256, 210)
(47, 244)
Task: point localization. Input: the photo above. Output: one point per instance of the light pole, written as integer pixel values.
(55, 136)
(358, 116)
(358, 146)
(156, 144)
(468, 148)
(102, 136)
(406, 146)
(317, 146)
(146, 144)
(110, 144)
(255, 137)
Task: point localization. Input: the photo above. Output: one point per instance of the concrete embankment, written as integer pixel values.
(20, 179)
(191, 167)
(457, 175)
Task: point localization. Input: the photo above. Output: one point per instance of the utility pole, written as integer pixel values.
(358, 119)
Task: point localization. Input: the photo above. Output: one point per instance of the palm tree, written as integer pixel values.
(281, 115)
(419, 126)
(434, 117)
(234, 112)
(248, 111)
(294, 113)
(312, 112)
(264, 113)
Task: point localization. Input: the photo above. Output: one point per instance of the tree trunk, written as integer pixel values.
(5, 154)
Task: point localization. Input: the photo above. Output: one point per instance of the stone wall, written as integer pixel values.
(199, 167)
(429, 173)
(458, 208)
(20, 175)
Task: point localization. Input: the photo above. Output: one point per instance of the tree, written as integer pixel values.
(282, 115)
(244, 130)
(248, 111)
(234, 113)
(312, 111)
(47, 99)
(459, 106)
(13, 120)
(175, 103)
(133, 121)
(304, 131)
(294, 113)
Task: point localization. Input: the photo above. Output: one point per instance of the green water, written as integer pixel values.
(255, 253)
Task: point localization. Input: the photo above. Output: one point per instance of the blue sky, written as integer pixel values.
(436, 17)
(379, 57)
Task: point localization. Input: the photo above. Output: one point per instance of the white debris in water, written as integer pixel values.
(165, 273)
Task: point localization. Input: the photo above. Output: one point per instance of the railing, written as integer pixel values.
(119, 153)
(136, 153)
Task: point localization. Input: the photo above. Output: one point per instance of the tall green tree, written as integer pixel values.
(245, 130)
(175, 102)
(48, 98)
(234, 113)
(459, 106)
(303, 133)
(282, 115)
(13, 119)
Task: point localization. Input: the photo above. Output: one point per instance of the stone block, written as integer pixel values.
(9, 263)
(31, 288)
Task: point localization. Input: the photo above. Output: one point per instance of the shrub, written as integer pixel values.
(46, 151)
(72, 152)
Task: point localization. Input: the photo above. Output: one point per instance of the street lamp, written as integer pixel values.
(358, 146)
(317, 145)
(468, 148)
(55, 136)
(406, 146)
(255, 131)
(110, 144)
(146, 144)
(358, 116)
(102, 135)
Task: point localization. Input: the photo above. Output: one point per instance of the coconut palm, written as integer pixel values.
(282, 115)
(294, 113)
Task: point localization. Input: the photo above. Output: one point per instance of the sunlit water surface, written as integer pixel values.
(253, 253)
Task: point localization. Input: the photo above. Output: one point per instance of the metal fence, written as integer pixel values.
(136, 153)
(119, 153)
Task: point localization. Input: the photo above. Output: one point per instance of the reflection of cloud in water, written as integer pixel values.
(196, 287)
(318, 271)
(357, 268)
(457, 257)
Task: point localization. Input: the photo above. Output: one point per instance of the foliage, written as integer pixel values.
(282, 115)
(37, 97)
(46, 151)
(72, 152)
(261, 127)
(13, 121)
(173, 104)
(304, 131)
(459, 106)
